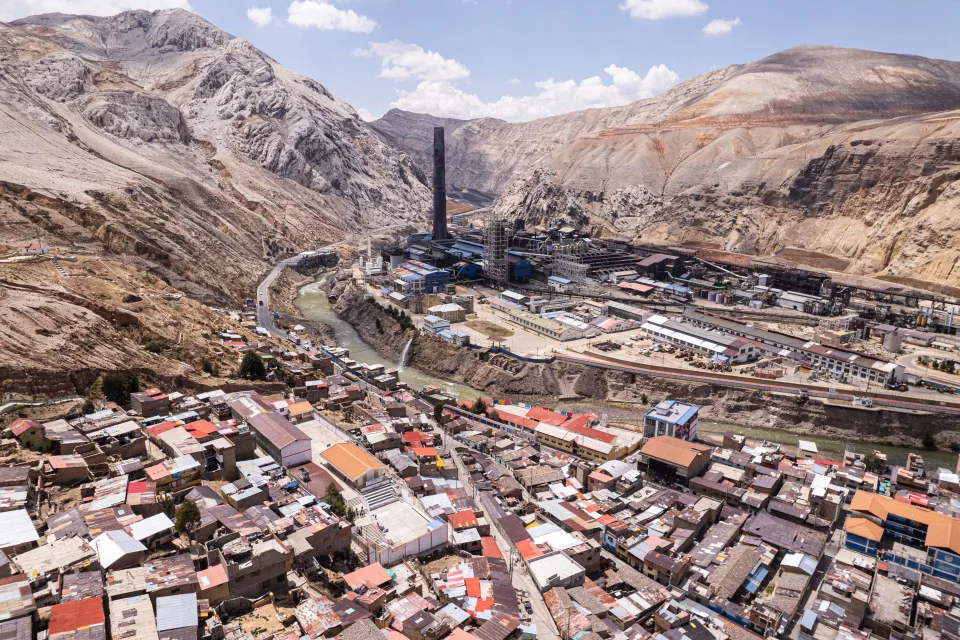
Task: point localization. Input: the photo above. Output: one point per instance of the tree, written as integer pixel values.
(479, 407)
(494, 416)
(188, 517)
(333, 498)
(378, 325)
(88, 407)
(207, 366)
(252, 367)
(117, 387)
(929, 442)
(438, 412)
(872, 462)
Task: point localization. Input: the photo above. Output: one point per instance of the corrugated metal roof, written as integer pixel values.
(176, 612)
(111, 546)
(16, 528)
(151, 526)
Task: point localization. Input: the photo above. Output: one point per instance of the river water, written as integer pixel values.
(832, 449)
(313, 304)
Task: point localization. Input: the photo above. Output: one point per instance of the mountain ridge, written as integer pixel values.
(158, 137)
(831, 151)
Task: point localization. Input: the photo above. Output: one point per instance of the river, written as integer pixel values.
(833, 449)
(313, 304)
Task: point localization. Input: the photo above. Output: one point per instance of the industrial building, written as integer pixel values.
(532, 322)
(828, 360)
(705, 341)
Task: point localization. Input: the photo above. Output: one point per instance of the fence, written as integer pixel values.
(501, 350)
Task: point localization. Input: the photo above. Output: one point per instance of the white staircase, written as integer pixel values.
(379, 493)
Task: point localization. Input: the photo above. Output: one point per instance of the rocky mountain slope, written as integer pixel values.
(158, 137)
(835, 151)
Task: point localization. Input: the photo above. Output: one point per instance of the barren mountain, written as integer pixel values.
(843, 152)
(160, 137)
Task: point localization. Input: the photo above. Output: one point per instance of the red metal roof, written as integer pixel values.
(200, 428)
(490, 548)
(545, 415)
(463, 519)
(156, 430)
(21, 425)
(372, 576)
(136, 487)
(473, 587)
(528, 550)
(78, 614)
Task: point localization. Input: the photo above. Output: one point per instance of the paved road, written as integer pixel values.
(726, 381)
(264, 317)
(546, 628)
(10, 406)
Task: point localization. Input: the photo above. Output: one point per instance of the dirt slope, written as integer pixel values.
(159, 136)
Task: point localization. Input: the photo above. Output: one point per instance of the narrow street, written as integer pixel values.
(521, 579)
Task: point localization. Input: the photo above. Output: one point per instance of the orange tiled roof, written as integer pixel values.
(863, 528)
(300, 408)
(673, 450)
(351, 460)
(942, 530)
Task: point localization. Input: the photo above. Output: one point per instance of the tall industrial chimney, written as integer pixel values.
(439, 186)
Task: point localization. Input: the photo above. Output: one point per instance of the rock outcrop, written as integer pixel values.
(834, 151)
(160, 137)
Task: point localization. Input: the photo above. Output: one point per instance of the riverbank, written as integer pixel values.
(312, 303)
(626, 396)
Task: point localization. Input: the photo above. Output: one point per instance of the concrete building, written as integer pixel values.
(555, 570)
(672, 418)
(134, 614)
(353, 464)
(672, 460)
(936, 534)
(282, 440)
(450, 312)
(434, 324)
(150, 403)
(254, 567)
(560, 285)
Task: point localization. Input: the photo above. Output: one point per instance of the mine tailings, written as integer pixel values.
(434, 361)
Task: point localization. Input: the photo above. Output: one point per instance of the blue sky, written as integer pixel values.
(521, 59)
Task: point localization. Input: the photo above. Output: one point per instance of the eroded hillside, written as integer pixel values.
(159, 136)
(839, 151)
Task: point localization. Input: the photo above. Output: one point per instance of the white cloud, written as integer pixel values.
(402, 61)
(513, 81)
(661, 9)
(13, 9)
(720, 26)
(260, 17)
(365, 115)
(442, 98)
(326, 17)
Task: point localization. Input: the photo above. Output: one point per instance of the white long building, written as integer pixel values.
(705, 341)
(826, 359)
